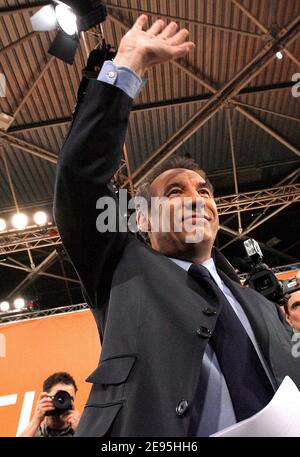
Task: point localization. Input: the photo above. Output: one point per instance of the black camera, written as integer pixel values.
(62, 401)
(262, 278)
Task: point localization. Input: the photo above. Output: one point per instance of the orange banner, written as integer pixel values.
(32, 350)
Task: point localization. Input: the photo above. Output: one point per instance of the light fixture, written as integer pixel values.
(19, 303)
(66, 19)
(70, 18)
(4, 306)
(279, 55)
(40, 218)
(19, 221)
(2, 225)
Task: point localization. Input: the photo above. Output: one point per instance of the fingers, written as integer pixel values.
(169, 31)
(140, 22)
(156, 27)
(183, 49)
(179, 38)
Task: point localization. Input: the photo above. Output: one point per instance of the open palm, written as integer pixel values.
(158, 44)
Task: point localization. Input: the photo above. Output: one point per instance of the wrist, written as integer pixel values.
(37, 420)
(131, 59)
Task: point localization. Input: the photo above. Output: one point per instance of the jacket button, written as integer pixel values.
(204, 332)
(182, 407)
(209, 312)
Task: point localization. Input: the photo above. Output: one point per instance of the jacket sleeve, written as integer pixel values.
(89, 158)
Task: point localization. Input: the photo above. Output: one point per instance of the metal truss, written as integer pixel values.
(26, 315)
(34, 237)
(258, 199)
(31, 238)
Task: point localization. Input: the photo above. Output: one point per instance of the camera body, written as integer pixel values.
(262, 278)
(62, 401)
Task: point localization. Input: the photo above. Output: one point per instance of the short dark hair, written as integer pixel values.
(60, 377)
(169, 164)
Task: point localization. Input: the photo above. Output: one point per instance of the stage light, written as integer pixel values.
(2, 225)
(19, 303)
(279, 55)
(66, 19)
(70, 18)
(19, 221)
(40, 218)
(4, 306)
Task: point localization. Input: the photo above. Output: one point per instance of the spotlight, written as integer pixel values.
(4, 306)
(19, 303)
(66, 19)
(2, 225)
(40, 218)
(279, 55)
(19, 221)
(70, 18)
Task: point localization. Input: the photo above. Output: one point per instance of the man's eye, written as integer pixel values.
(204, 192)
(174, 191)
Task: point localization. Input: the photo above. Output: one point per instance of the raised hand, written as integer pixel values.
(141, 49)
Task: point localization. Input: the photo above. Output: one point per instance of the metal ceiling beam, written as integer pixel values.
(262, 221)
(62, 121)
(264, 29)
(37, 151)
(258, 24)
(33, 274)
(9, 179)
(289, 179)
(220, 99)
(268, 111)
(33, 86)
(292, 57)
(267, 129)
(40, 273)
(281, 254)
(23, 8)
(265, 198)
(183, 19)
(234, 168)
(12, 45)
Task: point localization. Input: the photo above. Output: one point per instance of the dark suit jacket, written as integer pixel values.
(150, 313)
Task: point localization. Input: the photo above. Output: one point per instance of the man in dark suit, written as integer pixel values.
(185, 350)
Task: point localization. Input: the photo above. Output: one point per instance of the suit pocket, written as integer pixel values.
(97, 420)
(113, 371)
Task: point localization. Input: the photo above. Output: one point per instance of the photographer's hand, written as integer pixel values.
(44, 404)
(72, 418)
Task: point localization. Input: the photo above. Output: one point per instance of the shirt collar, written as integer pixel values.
(209, 264)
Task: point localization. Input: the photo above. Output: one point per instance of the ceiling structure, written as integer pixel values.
(230, 105)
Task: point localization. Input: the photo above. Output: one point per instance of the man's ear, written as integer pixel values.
(142, 222)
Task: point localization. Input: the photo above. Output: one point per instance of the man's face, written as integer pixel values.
(293, 317)
(189, 200)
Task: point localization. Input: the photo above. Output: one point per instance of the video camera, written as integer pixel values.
(262, 279)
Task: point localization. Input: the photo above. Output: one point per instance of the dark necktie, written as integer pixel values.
(249, 387)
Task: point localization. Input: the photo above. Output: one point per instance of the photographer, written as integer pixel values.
(55, 413)
(292, 311)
